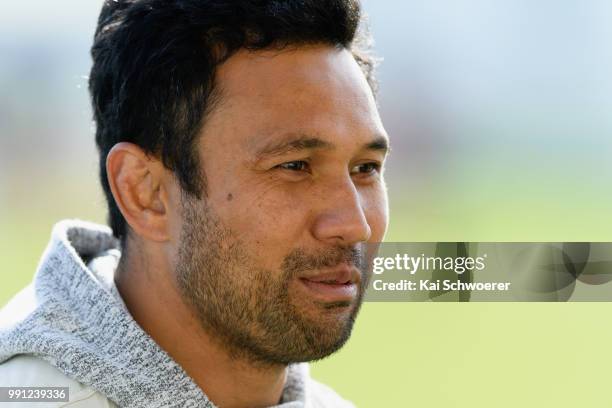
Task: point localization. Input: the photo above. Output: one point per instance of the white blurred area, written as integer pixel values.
(479, 76)
(46, 133)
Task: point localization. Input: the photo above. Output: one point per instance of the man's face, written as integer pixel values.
(272, 259)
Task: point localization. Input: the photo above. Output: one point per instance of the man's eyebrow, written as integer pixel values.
(304, 142)
(294, 145)
(379, 144)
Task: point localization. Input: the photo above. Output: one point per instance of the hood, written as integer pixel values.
(72, 316)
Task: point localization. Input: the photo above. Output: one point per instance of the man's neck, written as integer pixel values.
(156, 305)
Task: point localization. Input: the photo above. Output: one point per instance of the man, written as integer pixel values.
(241, 155)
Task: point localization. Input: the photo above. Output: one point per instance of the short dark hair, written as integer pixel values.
(154, 61)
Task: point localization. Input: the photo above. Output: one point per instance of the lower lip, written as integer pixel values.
(331, 292)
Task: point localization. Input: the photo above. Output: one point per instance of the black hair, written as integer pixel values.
(152, 79)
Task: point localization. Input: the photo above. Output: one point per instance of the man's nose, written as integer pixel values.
(341, 217)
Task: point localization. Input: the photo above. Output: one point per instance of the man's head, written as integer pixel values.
(241, 140)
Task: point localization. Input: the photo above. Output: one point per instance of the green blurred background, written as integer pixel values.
(499, 114)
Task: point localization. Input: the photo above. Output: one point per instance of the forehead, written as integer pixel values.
(314, 90)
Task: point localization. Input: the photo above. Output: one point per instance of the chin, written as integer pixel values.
(329, 332)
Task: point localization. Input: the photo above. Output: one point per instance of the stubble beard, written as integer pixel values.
(251, 311)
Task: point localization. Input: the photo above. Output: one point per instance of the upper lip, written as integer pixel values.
(341, 274)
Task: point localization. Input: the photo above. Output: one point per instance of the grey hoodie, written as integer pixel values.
(72, 317)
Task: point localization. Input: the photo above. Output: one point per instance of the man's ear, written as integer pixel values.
(136, 181)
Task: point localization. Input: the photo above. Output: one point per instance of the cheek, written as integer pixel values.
(269, 224)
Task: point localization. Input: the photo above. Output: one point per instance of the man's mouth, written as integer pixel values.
(338, 285)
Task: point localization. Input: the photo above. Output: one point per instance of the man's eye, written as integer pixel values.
(297, 165)
(366, 168)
